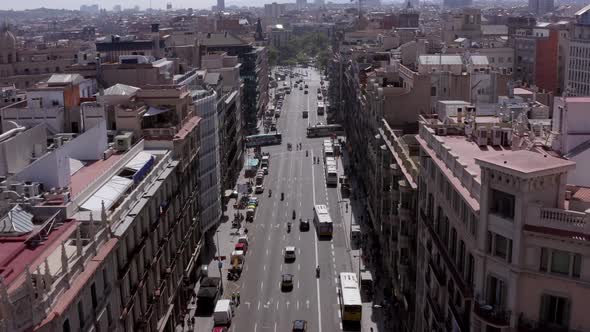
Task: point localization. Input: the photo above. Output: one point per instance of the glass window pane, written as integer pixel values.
(544, 259)
(577, 266)
(501, 246)
(560, 262)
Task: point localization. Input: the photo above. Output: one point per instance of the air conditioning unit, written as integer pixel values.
(441, 131)
(481, 136)
(123, 142)
(506, 137)
(496, 136)
(32, 189)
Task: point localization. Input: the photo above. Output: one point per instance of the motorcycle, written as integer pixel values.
(289, 227)
(317, 272)
(294, 215)
(306, 153)
(269, 193)
(282, 196)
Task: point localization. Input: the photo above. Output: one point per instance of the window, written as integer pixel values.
(496, 291)
(81, 315)
(433, 91)
(554, 310)
(502, 204)
(461, 258)
(93, 294)
(66, 326)
(560, 262)
(501, 249)
(489, 240)
(544, 259)
(453, 243)
(105, 279)
(577, 266)
(470, 269)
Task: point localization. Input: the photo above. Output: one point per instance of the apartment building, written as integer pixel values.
(229, 114)
(57, 274)
(498, 247)
(24, 67)
(577, 79)
(254, 71)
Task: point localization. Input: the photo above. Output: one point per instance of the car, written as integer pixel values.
(299, 325)
(265, 170)
(286, 281)
(224, 329)
(259, 189)
(289, 91)
(284, 83)
(304, 225)
(300, 87)
(295, 84)
(306, 86)
(289, 253)
(319, 97)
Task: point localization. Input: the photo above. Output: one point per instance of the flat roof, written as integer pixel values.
(93, 169)
(526, 162)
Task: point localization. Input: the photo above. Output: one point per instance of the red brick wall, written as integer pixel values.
(546, 62)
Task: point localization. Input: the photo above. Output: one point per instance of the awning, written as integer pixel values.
(155, 111)
(109, 193)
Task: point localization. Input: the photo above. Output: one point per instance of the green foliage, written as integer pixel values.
(273, 56)
(301, 48)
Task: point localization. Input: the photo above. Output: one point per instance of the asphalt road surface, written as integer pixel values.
(264, 307)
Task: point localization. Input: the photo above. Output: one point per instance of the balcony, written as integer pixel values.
(436, 310)
(565, 220)
(528, 325)
(496, 316)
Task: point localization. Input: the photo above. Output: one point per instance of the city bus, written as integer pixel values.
(263, 139)
(325, 130)
(321, 108)
(331, 176)
(322, 220)
(351, 304)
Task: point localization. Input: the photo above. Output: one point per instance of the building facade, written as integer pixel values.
(577, 81)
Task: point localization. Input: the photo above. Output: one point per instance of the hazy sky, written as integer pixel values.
(108, 4)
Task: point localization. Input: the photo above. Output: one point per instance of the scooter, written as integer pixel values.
(306, 153)
(293, 214)
(282, 196)
(289, 227)
(269, 193)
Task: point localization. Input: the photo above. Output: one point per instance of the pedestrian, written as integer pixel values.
(238, 297)
(233, 297)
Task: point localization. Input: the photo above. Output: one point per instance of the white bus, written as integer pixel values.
(351, 304)
(263, 139)
(321, 108)
(322, 220)
(328, 151)
(325, 130)
(331, 176)
(331, 161)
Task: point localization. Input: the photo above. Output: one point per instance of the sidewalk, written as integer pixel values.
(225, 239)
(353, 211)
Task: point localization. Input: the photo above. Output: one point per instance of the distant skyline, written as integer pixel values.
(156, 4)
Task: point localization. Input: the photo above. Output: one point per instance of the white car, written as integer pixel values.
(259, 189)
(290, 253)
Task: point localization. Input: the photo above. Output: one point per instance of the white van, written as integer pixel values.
(223, 313)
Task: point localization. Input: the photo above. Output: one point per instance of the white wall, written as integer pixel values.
(16, 152)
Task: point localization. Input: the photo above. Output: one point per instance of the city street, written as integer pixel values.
(263, 306)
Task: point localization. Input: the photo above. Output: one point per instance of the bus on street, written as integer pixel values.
(263, 139)
(325, 130)
(321, 108)
(351, 304)
(331, 176)
(322, 220)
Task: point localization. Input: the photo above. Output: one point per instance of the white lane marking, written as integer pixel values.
(277, 309)
(275, 326)
(267, 252)
(340, 323)
(264, 267)
(339, 315)
(255, 326)
(335, 280)
(317, 280)
(261, 285)
(332, 245)
(299, 237)
(269, 237)
(297, 284)
(287, 305)
(281, 267)
(258, 305)
(298, 267)
(297, 304)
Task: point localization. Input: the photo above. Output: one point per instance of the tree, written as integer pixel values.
(273, 56)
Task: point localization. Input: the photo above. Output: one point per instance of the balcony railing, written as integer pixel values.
(497, 316)
(436, 310)
(528, 325)
(567, 220)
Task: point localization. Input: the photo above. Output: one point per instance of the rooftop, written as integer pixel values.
(526, 163)
(440, 60)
